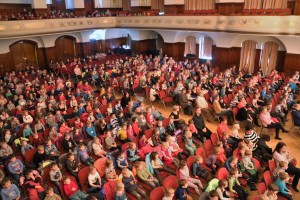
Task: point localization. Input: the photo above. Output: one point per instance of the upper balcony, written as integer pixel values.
(271, 25)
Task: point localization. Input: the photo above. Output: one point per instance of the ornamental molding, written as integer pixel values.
(271, 25)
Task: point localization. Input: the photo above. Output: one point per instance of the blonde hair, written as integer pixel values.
(169, 192)
(119, 186)
(282, 164)
(283, 175)
(248, 153)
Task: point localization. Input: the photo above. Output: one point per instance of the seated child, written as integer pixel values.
(94, 180)
(50, 195)
(15, 168)
(211, 160)
(167, 155)
(72, 191)
(158, 166)
(169, 194)
(131, 185)
(189, 143)
(84, 156)
(97, 148)
(145, 175)
(120, 192)
(55, 175)
(175, 148)
(25, 146)
(282, 167)
(110, 172)
(185, 174)
(281, 181)
(248, 164)
(132, 152)
(182, 193)
(198, 170)
(9, 191)
(235, 186)
(122, 161)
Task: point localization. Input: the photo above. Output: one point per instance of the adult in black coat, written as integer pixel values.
(199, 123)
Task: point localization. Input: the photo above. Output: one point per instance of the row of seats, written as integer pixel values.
(269, 11)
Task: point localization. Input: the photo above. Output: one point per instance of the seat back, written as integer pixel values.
(261, 188)
(214, 138)
(267, 178)
(157, 193)
(222, 173)
(171, 182)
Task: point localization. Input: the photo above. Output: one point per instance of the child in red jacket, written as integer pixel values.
(71, 189)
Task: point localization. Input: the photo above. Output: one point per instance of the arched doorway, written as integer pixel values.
(24, 53)
(65, 48)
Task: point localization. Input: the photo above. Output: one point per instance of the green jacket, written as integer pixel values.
(144, 174)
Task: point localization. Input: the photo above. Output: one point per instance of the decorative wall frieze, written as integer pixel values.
(271, 25)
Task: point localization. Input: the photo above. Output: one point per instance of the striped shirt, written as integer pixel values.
(253, 137)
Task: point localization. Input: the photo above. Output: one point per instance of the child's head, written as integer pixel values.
(138, 165)
(109, 163)
(188, 134)
(122, 154)
(159, 123)
(126, 172)
(248, 153)
(23, 143)
(93, 169)
(283, 165)
(183, 163)
(191, 121)
(183, 183)
(216, 150)
(66, 180)
(119, 187)
(154, 156)
(164, 145)
(54, 166)
(13, 158)
(169, 192)
(223, 183)
(234, 160)
(273, 189)
(48, 142)
(234, 172)
(198, 159)
(49, 191)
(81, 146)
(284, 176)
(132, 145)
(71, 156)
(40, 149)
(6, 183)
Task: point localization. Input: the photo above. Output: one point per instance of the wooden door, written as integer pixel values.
(65, 48)
(24, 53)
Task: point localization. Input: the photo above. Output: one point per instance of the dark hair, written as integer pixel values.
(222, 119)
(213, 193)
(152, 155)
(248, 126)
(4, 181)
(273, 187)
(279, 146)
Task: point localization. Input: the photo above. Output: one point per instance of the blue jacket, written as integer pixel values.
(296, 117)
(281, 186)
(179, 193)
(91, 131)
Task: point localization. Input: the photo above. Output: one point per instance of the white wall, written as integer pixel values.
(291, 44)
(174, 2)
(78, 3)
(136, 3)
(39, 4)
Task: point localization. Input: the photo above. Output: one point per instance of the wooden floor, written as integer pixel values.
(292, 138)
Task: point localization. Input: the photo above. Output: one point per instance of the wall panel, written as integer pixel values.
(291, 63)
(226, 57)
(65, 48)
